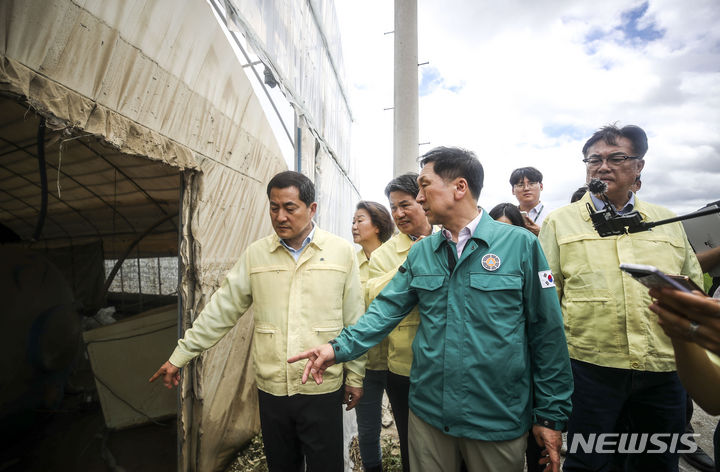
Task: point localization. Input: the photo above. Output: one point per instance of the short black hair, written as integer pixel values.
(509, 211)
(453, 162)
(380, 218)
(404, 183)
(578, 194)
(611, 133)
(289, 178)
(531, 173)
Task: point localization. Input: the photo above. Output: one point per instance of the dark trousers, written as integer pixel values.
(608, 400)
(398, 390)
(302, 429)
(369, 417)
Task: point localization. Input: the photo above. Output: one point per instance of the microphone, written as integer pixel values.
(597, 186)
(608, 222)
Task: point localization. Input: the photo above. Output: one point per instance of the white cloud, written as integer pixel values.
(526, 83)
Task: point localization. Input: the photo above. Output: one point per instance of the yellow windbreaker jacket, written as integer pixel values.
(377, 355)
(605, 311)
(296, 306)
(383, 265)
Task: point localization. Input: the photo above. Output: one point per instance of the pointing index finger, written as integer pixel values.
(155, 376)
(297, 357)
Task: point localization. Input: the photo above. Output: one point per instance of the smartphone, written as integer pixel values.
(686, 282)
(652, 277)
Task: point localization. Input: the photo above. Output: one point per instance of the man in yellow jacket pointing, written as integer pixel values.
(304, 286)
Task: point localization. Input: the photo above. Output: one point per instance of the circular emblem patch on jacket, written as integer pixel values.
(491, 262)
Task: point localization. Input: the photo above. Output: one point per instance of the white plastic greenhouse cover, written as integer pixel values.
(300, 42)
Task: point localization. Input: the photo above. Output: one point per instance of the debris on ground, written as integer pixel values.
(252, 457)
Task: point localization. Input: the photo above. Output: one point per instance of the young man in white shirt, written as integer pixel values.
(526, 183)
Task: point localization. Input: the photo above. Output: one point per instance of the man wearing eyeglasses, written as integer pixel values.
(526, 185)
(623, 364)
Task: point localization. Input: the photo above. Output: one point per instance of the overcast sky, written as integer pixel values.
(525, 83)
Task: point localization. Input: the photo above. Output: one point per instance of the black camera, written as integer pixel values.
(608, 222)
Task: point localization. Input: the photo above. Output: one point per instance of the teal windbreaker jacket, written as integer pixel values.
(490, 355)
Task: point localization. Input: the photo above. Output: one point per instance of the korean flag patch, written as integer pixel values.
(546, 279)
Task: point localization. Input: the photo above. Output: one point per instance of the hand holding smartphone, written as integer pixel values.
(652, 277)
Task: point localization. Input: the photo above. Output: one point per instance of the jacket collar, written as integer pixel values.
(318, 240)
(484, 231)
(361, 257)
(582, 206)
(403, 243)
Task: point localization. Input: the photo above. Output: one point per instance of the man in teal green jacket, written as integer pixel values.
(490, 356)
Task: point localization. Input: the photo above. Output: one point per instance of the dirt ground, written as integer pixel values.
(252, 458)
(704, 425)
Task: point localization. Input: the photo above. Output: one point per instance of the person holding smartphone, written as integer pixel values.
(692, 321)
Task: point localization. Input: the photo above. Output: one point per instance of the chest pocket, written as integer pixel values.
(264, 282)
(498, 295)
(267, 269)
(324, 287)
(488, 282)
(431, 301)
(427, 282)
(647, 245)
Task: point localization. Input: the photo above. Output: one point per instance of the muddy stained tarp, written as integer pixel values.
(66, 109)
(223, 375)
(160, 81)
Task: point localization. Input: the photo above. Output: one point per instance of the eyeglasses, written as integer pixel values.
(612, 161)
(521, 186)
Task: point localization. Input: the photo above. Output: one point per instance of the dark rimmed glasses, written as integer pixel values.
(522, 185)
(612, 161)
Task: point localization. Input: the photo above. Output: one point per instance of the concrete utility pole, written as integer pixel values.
(405, 123)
